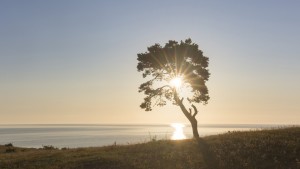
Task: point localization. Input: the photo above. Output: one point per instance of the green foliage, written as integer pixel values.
(175, 59)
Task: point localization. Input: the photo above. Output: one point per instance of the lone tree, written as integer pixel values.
(173, 71)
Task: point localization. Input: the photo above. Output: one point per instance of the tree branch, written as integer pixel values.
(176, 98)
(195, 109)
(163, 87)
(156, 93)
(154, 78)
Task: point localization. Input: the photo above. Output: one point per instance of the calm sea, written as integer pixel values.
(87, 135)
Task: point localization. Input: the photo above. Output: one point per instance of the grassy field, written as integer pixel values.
(267, 149)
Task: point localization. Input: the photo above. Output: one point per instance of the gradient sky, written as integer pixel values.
(69, 61)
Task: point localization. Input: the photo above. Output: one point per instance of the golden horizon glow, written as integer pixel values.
(178, 133)
(176, 82)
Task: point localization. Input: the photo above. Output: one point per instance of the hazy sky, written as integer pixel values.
(69, 61)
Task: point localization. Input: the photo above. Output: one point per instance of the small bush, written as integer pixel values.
(8, 145)
(49, 147)
(65, 148)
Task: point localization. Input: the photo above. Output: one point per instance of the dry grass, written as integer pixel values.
(278, 148)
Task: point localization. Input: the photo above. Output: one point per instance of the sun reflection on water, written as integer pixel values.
(178, 133)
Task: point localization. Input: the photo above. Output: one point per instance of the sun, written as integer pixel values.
(176, 82)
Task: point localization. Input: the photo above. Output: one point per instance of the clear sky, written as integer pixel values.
(69, 61)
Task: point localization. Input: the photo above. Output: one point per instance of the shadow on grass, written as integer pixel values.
(208, 156)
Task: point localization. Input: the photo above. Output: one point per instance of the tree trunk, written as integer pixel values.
(195, 128)
(192, 120)
(188, 114)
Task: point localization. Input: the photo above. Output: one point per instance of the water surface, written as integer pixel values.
(87, 135)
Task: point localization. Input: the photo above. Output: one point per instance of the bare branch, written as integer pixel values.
(190, 111)
(195, 109)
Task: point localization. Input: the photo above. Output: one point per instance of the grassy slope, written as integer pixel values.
(278, 148)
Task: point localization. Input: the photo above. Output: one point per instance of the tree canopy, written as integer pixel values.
(161, 64)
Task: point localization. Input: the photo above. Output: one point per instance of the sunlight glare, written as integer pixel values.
(176, 82)
(178, 133)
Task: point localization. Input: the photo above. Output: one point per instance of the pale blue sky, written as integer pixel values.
(75, 61)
